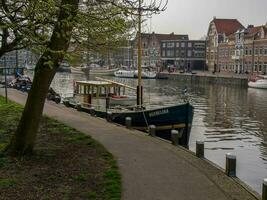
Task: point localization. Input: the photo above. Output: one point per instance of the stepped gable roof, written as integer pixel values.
(161, 37)
(227, 26)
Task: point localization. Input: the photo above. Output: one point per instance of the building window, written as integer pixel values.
(189, 53)
(261, 51)
(177, 53)
(265, 51)
(170, 53)
(177, 44)
(189, 44)
(182, 53)
(260, 66)
(256, 51)
(163, 44)
(255, 66)
(163, 53)
(265, 67)
(246, 51)
(182, 44)
(170, 44)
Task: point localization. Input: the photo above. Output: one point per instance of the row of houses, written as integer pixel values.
(231, 47)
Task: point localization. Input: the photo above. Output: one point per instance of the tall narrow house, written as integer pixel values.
(218, 32)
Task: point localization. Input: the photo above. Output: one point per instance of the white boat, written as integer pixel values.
(258, 82)
(93, 71)
(134, 74)
(125, 73)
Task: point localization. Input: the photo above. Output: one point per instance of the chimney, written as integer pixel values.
(172, 33)
(214, 17)
(250, 26)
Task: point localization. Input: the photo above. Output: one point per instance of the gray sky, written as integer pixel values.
(193, 16)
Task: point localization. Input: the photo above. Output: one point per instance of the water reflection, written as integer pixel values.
(227, 118)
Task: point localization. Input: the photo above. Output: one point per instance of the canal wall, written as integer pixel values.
(205, 79)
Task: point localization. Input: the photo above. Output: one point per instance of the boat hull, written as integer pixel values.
(134, 74)
(165, 119)
(77, 70)
(261, 84)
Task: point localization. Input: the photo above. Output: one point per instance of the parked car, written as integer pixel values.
(53, 96)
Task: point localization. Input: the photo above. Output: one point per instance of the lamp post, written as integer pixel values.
(5, 69)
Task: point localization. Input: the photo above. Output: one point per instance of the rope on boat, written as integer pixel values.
(145, 118)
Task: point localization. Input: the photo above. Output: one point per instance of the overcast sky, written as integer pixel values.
(193, 16)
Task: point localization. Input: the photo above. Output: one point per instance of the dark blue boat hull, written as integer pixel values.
(165, 119)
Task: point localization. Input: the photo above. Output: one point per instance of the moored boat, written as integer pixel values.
(104, 97)
(93, 71)
(146, 74)
(259, 81)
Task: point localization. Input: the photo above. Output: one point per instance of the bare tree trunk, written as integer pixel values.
(24, 138)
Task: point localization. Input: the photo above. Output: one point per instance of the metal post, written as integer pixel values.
(128, 122)
(17, 63)
(230, 168)
(92, 111)
(67, 103)
(109, 116)
(139, 90)
(200, 149)
(264, 189)
(152, 130)
(5, 69)
(175, 136)
(79, 107)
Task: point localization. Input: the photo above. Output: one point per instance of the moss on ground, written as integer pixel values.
(66, 164)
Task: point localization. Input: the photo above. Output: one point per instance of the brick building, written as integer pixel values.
(244, 51)
(186, 55)
(151, 47)
(218, 32)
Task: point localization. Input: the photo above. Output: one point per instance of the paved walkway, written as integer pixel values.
(151, 169)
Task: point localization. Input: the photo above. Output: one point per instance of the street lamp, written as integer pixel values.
(5, 69)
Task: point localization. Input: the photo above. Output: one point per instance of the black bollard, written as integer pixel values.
(79, 107)
(152, 130)
(230, 168)
(128, 122)
(175, 137)
(109, 116)
(264, 189)
(200, 149)
(92, 111)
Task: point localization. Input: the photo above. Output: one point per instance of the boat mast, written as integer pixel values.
(139, 87)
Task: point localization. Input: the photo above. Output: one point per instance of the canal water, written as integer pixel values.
(228, 118)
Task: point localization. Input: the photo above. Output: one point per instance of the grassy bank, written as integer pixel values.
(66, 165)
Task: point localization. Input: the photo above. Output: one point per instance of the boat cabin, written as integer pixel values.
(97, 93)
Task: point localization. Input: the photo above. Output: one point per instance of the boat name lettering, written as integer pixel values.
(158, 112)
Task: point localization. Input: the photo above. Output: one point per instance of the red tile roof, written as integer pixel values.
(253, 30)
(227, 26)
